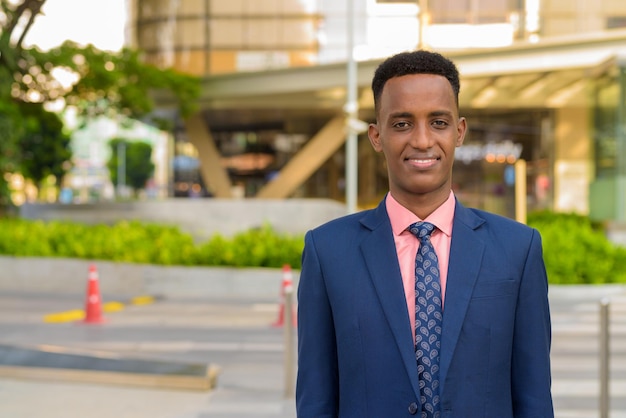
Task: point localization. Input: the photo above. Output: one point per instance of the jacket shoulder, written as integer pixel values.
(494, 221)
(341, 225)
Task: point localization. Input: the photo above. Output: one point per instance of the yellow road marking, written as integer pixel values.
(67, 316)
(142, 300)
(112, 306)
(79, 314)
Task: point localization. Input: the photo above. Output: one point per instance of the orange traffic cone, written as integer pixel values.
(93, 304)
(286, 287)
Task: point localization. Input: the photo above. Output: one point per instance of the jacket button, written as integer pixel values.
(413, 408)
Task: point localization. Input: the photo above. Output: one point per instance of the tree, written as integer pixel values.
(45, 147)
(137, 162)
(94, 82)
(10, 130)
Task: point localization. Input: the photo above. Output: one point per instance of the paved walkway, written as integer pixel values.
(576, 346)
(238, 336)
(235, 335)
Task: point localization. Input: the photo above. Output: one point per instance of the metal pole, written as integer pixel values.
(121, 167)
(604, 358)
(423, 22)
(520, 191)
(288, 337)
(351, 109)
(620, 155)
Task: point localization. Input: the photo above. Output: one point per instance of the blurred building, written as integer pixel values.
(543, 81)
(89, 179)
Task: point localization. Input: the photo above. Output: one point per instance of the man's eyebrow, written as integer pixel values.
(434, 113)
(396, 115)
(441, 113)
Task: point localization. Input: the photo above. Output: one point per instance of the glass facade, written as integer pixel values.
(564, 17)
(608, 188)
(607, 92)
(211, 37)
(473, 12)
(484, 171)
(224, 36)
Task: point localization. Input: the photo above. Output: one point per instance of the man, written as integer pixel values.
(451, 322)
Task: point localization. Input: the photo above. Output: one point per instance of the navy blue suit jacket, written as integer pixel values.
(355, 349)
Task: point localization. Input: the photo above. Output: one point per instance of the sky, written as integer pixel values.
(99, 22)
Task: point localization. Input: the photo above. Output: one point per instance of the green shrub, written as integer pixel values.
(260, 247)
(23, 238)
(136, 242)
(576, 251)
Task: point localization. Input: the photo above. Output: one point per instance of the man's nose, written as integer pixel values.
(421, 138)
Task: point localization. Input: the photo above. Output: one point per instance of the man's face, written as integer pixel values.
(417, 129)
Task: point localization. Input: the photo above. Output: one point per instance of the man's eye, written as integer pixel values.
(400, 124)
(440, 123)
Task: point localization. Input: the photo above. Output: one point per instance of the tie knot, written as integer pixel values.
(422, 230)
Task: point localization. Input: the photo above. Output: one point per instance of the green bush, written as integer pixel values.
(135, 242)
(576, 251)
(254, 248)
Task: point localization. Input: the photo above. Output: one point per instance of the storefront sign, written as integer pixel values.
(501, 152)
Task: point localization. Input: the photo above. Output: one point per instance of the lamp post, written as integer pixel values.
(351, 109)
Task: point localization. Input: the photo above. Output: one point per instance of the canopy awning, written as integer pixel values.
(546, 74)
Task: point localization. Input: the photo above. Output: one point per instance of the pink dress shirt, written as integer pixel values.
(407, 244)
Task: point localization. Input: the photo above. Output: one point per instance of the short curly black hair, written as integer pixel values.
(415, 62)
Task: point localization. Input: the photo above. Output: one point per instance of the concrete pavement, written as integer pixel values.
(235, 332)
(236, 335)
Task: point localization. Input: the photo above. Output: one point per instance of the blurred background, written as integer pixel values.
(543, 81)
(248, 118)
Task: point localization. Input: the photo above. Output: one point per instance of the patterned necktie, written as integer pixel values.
(428, 318)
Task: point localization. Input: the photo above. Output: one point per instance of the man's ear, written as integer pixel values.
(374, 135)
(461, 129)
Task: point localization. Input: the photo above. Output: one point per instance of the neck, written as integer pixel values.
(422, 205)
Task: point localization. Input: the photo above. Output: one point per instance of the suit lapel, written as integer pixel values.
(466, 252)
(379, 252)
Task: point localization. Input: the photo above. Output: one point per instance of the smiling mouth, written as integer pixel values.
(422, 163)
(427, 160)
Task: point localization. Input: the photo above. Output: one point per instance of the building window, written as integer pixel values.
(615, 22)
(470, 11)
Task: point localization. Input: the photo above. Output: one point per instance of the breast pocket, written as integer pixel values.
(494, 288)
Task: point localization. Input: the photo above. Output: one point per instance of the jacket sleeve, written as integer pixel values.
(531, 379)
(317, 382)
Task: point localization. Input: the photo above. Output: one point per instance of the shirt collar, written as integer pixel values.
(401, 217)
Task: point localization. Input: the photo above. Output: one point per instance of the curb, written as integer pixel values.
(47, 363)
(126, 280)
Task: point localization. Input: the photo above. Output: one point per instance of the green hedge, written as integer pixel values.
(136, 242)
(576, 250)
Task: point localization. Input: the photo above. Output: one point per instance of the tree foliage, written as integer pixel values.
(137, 162)
(108, 83)
(94, 82)
(44, 146)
